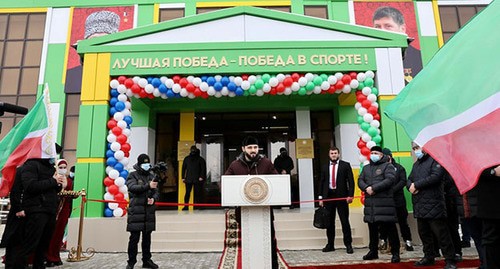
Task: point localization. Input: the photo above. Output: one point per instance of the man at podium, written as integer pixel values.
(250, 162)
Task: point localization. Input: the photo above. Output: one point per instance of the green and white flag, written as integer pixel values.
(452, 107)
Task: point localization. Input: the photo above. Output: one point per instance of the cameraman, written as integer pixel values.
(143, 193)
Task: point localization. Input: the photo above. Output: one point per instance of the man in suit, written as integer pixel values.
(337, 181)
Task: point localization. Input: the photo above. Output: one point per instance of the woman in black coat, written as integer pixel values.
(143, 193)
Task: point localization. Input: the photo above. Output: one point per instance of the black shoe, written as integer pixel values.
(395, 259)
(349, 250)
(458, 257)
(59, 263)
(129, 266)
(370, 256)
(328, 248)
(149, 264)
(450, 265)
(425, 262)
(465, 244)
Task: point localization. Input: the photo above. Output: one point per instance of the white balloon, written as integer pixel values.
(218, 77)
(113, 206)
(156, 92)
(259, 93)
(191, 95)
(176, 88)
(346, 89)
(118, 212)
(115, 146)
(120, 181)
(302, 81)
(163, 79)
(122, 97)
(288, 91)
(295, 86)
(129, 93)
(273, 82)
(118, 116)
(361, 77)
(224, 91)
(111, 138)
(114, 83)
(190, 79)
(114, 174)
(325, 85)
(126, 132)
(309, 77)
(197, 81)
(109, 196)
(164, 96)
(366, 91)
(231, 94)
(332, 80)
(317, 89)
(362, 111)
(119, 155)
(245, 85)
(126, 112)
(124, 161)
(370, 74)
(149, 88)
(169, 83)
(368, 117)
(360, 132)
(369, 145)
(143, 82)
(238, 81)
(362, 158)
(357, 105)
(108, 169)
(266, 88)
(211, 91)
(375, 123)
(122, 124)
(128, 105)
(375, 104)
(204, 86)
(280, 77)
(366, 137)
(121, 88)
(354, 84)
(218, 95)
(372, 97)
(136, 79)
(124, 189)
(339, 75)
(252, 79)
(184, 92)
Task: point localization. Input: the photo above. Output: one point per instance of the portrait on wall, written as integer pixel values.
(396, 17)
(89, 23)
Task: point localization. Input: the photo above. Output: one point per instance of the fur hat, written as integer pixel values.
(250, 140)
(101, 22)
(376, 148)
(143, 158)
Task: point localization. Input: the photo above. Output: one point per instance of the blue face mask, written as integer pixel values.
(419, 153)
(146, 166)
(374, 157)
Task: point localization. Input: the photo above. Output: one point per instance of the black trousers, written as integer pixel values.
(133, 241)
(388, 228)
(402, 214)
(198, 192)
(453, 224)
(36, 239)
(430, 228)
(342, 207)
(475, 227)
(491, 243)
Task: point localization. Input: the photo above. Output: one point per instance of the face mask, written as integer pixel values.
(146, 166)
(374, 157)
(62, 171)
(419, 153)
(71, 174)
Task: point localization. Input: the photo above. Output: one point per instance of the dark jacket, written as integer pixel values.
(261, 166)
(141, 216)
(381, 176)
(399, 185)
(283, 163)
(39, 187)
(14, 224)
(429, 202)
(194, 168)
(344, 180)
(487, 202)
(467, 204)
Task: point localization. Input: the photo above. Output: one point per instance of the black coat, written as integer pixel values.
(39, 187)
(399, 185)
(381, 176)
(283, 163)
(487, 202)
(467, 204)
(141, 216)
(428, 176)
(194, 168)
(344, 180)
(14, 224)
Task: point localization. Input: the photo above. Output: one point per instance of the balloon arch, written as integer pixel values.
(123, 88)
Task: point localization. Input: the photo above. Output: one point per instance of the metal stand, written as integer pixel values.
(76, 255)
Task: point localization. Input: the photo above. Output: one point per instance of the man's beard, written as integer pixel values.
(250, 158)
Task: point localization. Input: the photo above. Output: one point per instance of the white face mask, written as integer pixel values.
(62, 171)
(146, 166)
(418, 153)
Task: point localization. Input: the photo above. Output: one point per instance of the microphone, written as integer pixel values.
(6, 107)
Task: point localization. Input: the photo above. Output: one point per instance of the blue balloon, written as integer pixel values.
(204, 78)
(111, 161)
(224, 81)
(108, 212)
(211, 81)
(113, 101)
(124, 174)
(150, 79)
(170, 93)
(156, 82)
(110, 153)
(118, 167)
(114, 93)
(239, 91)
(128, 119)
(109, 148)
(231, 86)
(218, 86)
(119, 106)
(112, 111)
(162, 88)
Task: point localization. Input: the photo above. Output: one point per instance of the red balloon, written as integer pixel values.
(365, 151)
(125, 147)
(143, 93)
(244, 77)
(361, 98)
(121, 79)
(372, 110)
(124, 211)
(127, 154)
(273, 91)
(116, 130)
(176, 78)
(197, 92)
(353, 75)
(376, 117)
(339, 85)
(363, 197)
(280, 87)
(204, 95)
(346, 79)
(122, 139)
(108, 181)
(150, 96)
(119, 196)
(366, 103)
(128, 83)
(113, 189)
(183, 82)
(288, 81)
(295, 77)
(135, 88)
(111, 123)
(190, 87)
(361, 144)
(332, 89)
(123, 205)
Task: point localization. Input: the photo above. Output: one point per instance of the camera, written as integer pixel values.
(159, 171)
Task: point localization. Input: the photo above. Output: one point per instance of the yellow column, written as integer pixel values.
(186, 133)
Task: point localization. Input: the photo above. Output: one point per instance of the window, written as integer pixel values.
(455, 17)
(167, 14)
(21, 39)
(71, 127)
(316, 11)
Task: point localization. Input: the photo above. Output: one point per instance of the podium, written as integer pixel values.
(255, 194)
